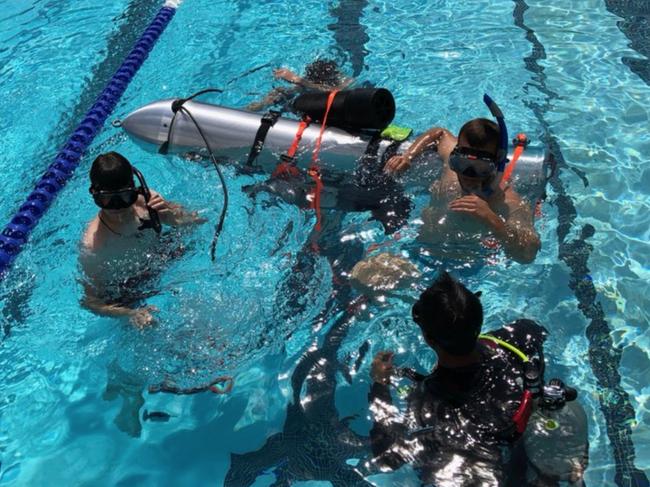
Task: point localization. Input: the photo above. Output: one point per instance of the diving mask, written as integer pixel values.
(115, 199)
(472, 163)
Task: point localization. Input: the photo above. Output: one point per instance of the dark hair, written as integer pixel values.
(111, 171)
(450, 315)
(481, 133)
(324, 72)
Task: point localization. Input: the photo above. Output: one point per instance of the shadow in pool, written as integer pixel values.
(314, 443)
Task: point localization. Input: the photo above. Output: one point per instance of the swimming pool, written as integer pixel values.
(568, 74)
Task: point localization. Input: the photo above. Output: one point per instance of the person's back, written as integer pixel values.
(467, 412)
(464, 421)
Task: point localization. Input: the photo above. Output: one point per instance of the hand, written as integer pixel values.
(142, 317)
(285, 74)
(159, 204)
(382, 367)
(255, 106)
(397, 164)
(475, 206)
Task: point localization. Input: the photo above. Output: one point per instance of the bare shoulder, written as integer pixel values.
(515, 204)
(92, 235)
(511, 197)
(447, 143)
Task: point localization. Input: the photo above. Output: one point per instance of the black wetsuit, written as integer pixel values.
(458, 429)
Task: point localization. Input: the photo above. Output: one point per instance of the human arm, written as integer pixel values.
(276, 95)
(388, 429)
(141, 317)
(291, 77)
(172, 213)
(515, 232)
(521, 241)
(437, 136)
(93, 289)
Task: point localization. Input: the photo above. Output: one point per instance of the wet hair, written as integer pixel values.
(111, 171)
(450, 315)
(324, 72)
(481, 133)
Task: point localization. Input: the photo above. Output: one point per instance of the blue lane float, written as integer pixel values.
(16, 232)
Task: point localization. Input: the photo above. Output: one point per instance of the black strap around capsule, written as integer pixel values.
(268, 120)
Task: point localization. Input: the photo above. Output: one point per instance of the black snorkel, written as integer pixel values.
(502, 152)
(154, 218)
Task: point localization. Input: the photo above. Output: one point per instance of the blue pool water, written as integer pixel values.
(572, 74)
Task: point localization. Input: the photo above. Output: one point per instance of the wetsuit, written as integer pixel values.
(458, 429)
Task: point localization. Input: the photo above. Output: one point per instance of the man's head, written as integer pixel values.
(111, 182)
(324, 72)
(449, 315)
(480, 134)
(474, 158)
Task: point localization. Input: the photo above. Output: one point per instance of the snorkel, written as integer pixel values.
(154, 218)
(502, 152)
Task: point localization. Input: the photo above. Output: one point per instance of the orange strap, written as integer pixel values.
(314, 170)
(304, 123)
(286, 168)
(522, 140)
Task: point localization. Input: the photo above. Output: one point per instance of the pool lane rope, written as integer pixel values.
(16, 232)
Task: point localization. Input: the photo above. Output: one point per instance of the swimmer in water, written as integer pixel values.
(122, 245)
(466, 422)
(469, 203)
(320, 75)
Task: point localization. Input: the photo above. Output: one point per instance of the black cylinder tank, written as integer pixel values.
(357, 109)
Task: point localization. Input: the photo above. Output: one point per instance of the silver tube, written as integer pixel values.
(231, 133)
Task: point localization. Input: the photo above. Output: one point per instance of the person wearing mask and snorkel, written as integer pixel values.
(122, 246)
(470, 202)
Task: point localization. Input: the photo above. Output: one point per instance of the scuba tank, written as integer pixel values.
(556, 438)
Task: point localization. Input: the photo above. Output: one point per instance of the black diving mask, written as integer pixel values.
(124, 198)
(119, 199)
(472, 163)
(115, 199)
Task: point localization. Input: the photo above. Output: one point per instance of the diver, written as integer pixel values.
(320, 75)
(470, 202)
(122, 245)
(474, 419)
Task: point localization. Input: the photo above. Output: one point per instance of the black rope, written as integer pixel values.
(177, 106)
(219, 227)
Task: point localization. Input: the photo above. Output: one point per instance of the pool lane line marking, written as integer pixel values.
(16, 233)
(634, 24)
(349, 33)
(604, 356)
